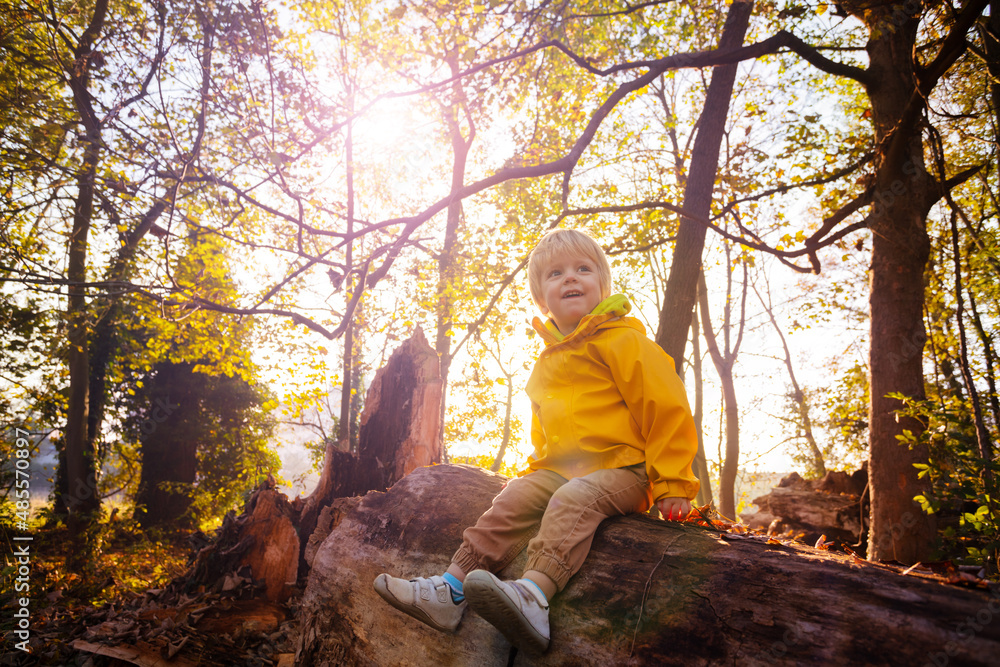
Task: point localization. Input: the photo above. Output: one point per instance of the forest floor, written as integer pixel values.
(131, 604)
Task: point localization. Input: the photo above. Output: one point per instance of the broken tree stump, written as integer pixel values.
(400, 430)
(273, 555)
(650, 593)
(263, 541)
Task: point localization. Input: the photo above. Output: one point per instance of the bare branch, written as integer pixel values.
(953, 46)
(787, 187)
(628, 9)
(471, 329)
(754, 243)
(205, 304)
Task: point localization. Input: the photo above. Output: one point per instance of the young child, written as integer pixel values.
(612, 433)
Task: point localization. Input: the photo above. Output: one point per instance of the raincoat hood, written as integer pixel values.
(611, 309)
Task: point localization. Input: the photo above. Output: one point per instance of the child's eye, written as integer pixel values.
(584, 267)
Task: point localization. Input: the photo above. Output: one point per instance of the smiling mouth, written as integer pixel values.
(568, 295)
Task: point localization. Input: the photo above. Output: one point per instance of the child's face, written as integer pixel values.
(570, 289)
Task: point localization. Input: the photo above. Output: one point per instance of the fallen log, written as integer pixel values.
(833, 508)
(650, 593)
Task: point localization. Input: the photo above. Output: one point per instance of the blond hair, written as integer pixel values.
(570, 242)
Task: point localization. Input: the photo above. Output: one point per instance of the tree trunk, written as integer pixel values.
(262, 545)
(982, 434)
(508, 407)
(682, 283)
(818, 468)
(990, 33)
(103, 345)
(346, 390)
(832, 508)
(802, 407)
(731, 466)
(357, 376)
(900, 249)
(84, 499)
(700, 462)
(724, 361)
(989, 357)
(460, 146)
(650, 593)
(347, 386)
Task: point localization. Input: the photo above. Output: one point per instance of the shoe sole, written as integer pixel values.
(416, 612)
(494, 605)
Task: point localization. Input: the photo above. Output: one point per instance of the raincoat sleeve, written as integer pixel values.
(657, 401)
(537, 441)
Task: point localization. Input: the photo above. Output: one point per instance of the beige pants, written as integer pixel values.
(565, 514)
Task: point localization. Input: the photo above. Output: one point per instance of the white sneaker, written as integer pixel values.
(427, 600)
(516, 608)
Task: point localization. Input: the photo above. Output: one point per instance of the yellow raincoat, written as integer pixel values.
(606, 396)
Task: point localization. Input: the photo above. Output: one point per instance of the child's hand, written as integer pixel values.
(674, 509)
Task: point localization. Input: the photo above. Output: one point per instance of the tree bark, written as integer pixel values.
(818, 468)
(447, 260)
(905, 191)
(700, 462)
(347, 386)
(724, 361)
(508, 407)
(682, 283)
(84, 499)
(399, 431)
(650, 593)
(262, 545)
